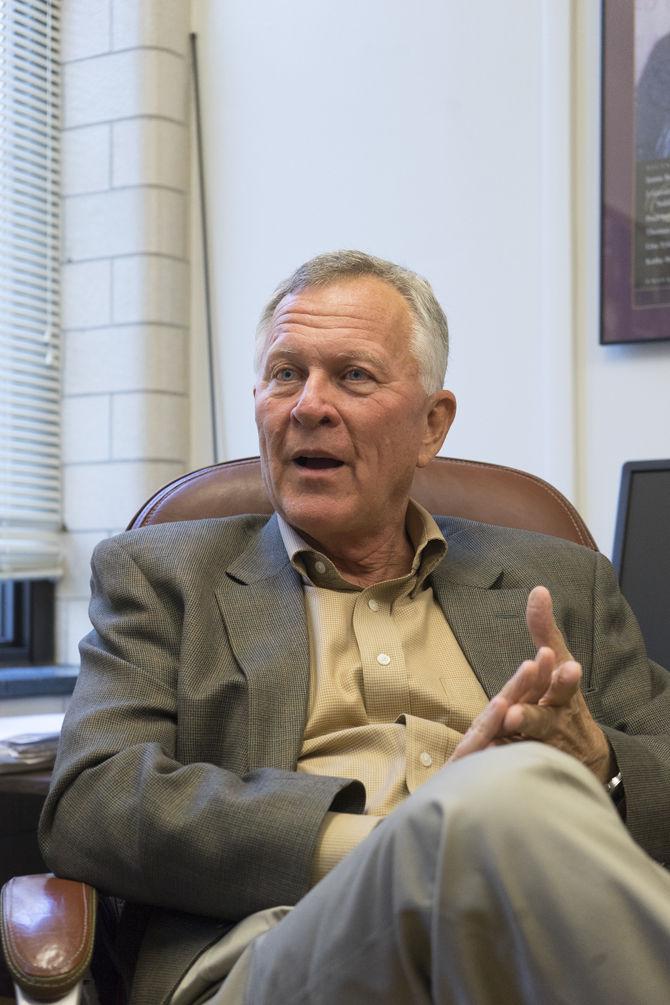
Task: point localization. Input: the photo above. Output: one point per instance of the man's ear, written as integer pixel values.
(440, 415)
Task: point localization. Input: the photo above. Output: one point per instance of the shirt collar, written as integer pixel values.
(316, 568)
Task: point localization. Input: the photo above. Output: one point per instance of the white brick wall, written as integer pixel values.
(86, 159)
(150, 289)
(123, 85)
(125, 358)
(125, 221)
(157, 23)
(149, 425)
(86, 428)
(125, 274)
(148, 152)
(86, 29)
(87, 294)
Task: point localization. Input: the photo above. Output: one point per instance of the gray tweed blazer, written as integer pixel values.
(175, 785)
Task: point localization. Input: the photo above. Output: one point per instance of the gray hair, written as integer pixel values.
(430, 333)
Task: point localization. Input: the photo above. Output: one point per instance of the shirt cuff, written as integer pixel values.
(339, 834)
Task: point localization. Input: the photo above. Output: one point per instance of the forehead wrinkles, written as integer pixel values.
(356, 305)
(292, 317)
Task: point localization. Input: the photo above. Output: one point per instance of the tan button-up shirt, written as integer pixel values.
(391, 692)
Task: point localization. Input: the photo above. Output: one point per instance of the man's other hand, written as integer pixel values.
(543, 700)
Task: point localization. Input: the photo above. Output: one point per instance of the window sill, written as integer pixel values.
(24, 682)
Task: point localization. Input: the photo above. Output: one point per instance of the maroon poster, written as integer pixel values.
(636, 171)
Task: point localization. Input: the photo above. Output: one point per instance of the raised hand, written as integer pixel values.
(543, 700)
(527, 685)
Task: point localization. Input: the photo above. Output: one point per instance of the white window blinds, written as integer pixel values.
(29, 289)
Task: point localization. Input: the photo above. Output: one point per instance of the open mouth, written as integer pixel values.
(317, 463)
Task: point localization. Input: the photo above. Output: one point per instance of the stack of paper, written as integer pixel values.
(28, 743)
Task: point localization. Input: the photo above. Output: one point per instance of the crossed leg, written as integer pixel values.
(506, 878)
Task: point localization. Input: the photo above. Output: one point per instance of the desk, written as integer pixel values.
(26, 782)
(21, 799)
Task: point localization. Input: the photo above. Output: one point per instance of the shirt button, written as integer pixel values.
(373, 605)
(383, 659)
(320, 567)
(426, 759)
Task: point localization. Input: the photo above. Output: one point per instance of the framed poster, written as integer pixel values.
(635, 238)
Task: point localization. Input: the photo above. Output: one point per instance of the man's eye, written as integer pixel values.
(284, 374)
(356, 374)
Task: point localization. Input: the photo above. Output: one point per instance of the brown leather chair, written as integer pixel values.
(447, 486)
(47, 923)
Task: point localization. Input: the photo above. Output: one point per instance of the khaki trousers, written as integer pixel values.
(508, 878)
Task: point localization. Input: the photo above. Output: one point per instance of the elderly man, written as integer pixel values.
(328, 699)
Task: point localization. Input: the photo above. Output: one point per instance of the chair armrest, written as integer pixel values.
(48, 927)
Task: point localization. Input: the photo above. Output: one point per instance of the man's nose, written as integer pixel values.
(314, 406)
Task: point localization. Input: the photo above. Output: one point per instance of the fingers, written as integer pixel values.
(539, 721)
(527, 704)
(541, 624)
(564, 684)
(532, 679)
(529, 721)
(484, 729)
(529, 684)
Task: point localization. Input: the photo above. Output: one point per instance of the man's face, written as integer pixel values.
(343, 419)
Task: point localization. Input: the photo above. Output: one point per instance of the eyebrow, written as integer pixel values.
(346, 356)
(273, 351)
(361, 356)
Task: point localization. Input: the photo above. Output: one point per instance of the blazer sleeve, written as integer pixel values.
(634, 694)
(123, 812)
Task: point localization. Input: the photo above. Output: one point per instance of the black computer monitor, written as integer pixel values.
(642, 550)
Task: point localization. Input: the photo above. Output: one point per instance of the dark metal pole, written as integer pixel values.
(205, 244)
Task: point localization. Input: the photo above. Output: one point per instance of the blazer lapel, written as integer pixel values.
(488, 620)
(262, 606)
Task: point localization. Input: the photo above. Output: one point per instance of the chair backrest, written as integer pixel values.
(447, 486)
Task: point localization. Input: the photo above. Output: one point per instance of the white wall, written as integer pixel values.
(460, 139)
(414, 132)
